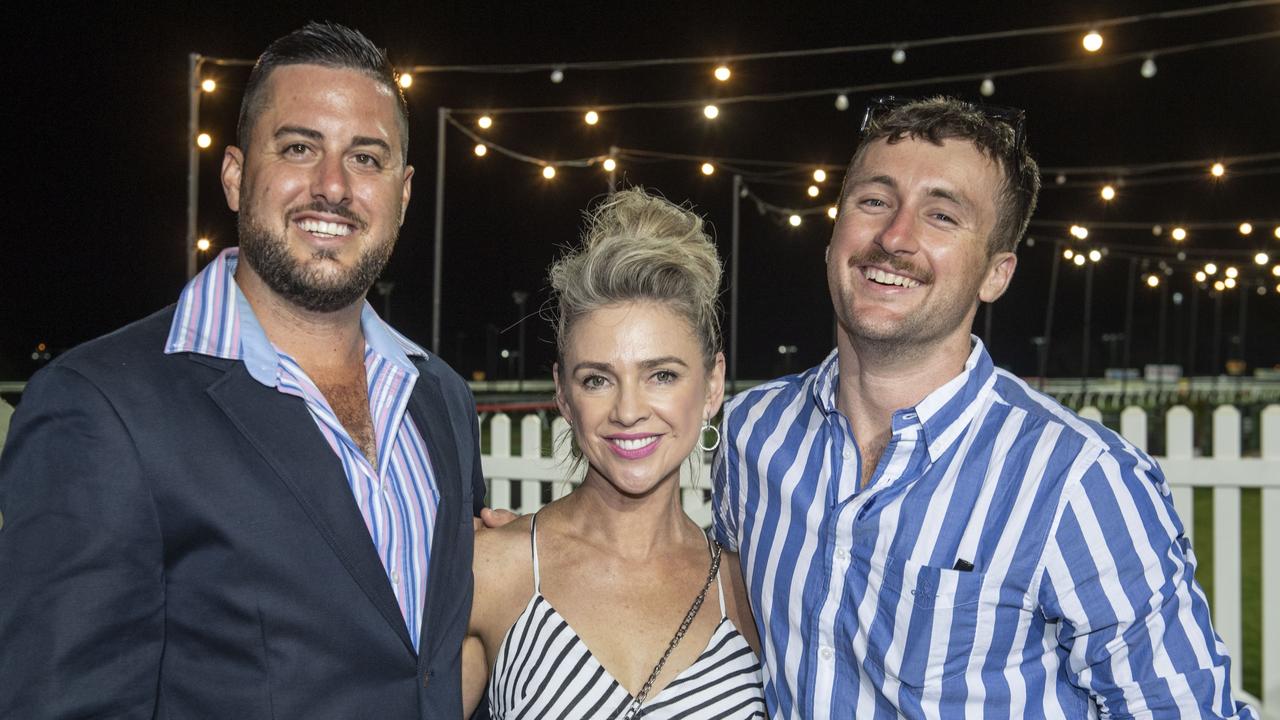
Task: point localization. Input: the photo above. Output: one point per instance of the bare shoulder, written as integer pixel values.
(737, 602)
(503, 567)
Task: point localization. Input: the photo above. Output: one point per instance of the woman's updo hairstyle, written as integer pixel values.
(640, 247)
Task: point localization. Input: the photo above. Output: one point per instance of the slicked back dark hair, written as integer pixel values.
(329, 45)
(942, 118)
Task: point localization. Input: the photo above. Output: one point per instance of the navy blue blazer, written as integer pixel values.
(180, 541)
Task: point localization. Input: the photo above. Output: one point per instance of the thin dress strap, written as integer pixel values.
(719, 585)
(533, 542)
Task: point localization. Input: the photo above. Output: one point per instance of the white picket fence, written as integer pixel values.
(522, 480)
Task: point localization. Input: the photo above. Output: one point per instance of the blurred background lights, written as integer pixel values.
(1219, 285)
(1153, 281)
(819, 175)
(708, 168)
(794, 220)
(1079, 232)
(813, 191)
(1148, 69)
(549, 172)
(405, 80)
(988, 87)
(1068, 253)
(832, 212)
(610, 164)
(485, 122)
(1277, 232)
(723, 73)
(711, 112)
(1179, 234)
(1231, 272)
(1092, 41)
(842, 102)
(1200, 276)
(1095, 256)
(1108, 193)
(1217, 170)
(203, 244)
(592, 117)
(1210, 268)
(1229, 283)
(899, 55)
(204, 140)
(1245, 228)
(1261, 258)
(209, 85)
(1078, 260)
(481, 150)
(557, 76)
(1275, 270)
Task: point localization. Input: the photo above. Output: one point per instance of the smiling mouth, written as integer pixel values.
(323, 229)
(883, 277)
(633, 444)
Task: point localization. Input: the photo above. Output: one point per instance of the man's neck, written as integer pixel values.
(876, 381)
(320, 342)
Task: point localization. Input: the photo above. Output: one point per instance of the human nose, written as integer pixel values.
(898, 236)
(630, 405)
(330, 181)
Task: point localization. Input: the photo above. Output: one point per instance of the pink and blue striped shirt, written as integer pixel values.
(398, 498)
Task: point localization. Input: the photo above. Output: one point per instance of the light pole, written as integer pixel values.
(1043, 346)
(437, 272)
(733, 285)
(520, 297)
(384, 288)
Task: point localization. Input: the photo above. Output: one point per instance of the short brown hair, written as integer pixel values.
(942, 118)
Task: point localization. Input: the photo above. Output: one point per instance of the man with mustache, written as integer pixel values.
(922, 534)
(257, 502)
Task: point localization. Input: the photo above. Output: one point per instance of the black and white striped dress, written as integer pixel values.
(544, 670)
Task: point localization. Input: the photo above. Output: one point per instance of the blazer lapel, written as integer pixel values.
(283, 431)
(428, 409)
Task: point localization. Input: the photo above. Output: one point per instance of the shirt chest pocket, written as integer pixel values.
(925, 621)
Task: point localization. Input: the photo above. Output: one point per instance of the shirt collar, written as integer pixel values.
(214, 318)
(942, 415)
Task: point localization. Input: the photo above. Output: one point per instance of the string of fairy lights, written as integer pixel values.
(1109, 181)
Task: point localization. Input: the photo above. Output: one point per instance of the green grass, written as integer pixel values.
(1250, 569)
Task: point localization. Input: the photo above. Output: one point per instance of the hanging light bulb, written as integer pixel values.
(1200, 276)
(1229, 283)
(1219, 285)
(1068, 254)
(711, 112)
(1108, 193)
(794, 220)
(832, 212)
(1210, 268)
(842, 102)
(1277, 232)
(204, 140)
(988, 87)
(610, 164)
(1179, 234)
(557, 76)
(1095, 256)
(1218, 170)
(1275, 270)
(819, 175)
(1261, 258)
(481, 150)
(1153, 281)
(405, 80)
(813, 191)
(485, 122)
(1245, 228)
(1092, 41)
(1148, 69)
(203, 244)
(723, 73)
(708, 168)
(1231, 272)
(1061, 179)
(1078, 259)
(592, 117)
(549, 172)
(208, 85)
(899, 55)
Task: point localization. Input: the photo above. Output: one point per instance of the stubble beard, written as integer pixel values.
(305, 283)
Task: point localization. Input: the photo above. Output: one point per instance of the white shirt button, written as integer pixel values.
(842, 554)
(826, 653)
(848, 453)
(395, 577)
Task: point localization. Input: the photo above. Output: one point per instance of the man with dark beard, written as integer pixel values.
(257, 502)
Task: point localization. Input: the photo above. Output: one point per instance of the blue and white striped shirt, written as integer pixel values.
(1080, 601)
(399, 498)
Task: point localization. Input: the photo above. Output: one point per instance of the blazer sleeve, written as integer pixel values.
(81, 559)
(479, 489)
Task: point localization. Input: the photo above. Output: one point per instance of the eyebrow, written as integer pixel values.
(310, 134)
(650, 363)
(954, 196)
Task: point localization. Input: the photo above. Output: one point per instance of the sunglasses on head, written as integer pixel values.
(1013, 117)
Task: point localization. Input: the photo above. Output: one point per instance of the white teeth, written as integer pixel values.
(634, 443)
(888, 278)
(320, 227)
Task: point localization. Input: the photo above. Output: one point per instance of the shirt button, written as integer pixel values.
(395, 577)
(848, 454)
(842, 554)
(826, 653)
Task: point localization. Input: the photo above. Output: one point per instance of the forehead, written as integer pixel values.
(631, 332)
(913, 162)
(312, 95)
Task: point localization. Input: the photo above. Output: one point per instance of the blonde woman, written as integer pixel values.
(611, 602)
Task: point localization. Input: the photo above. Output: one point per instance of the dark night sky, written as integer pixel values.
(97, 167)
